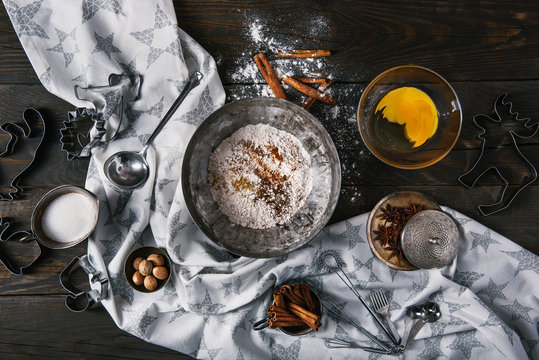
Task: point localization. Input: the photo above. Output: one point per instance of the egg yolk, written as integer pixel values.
(412, 108)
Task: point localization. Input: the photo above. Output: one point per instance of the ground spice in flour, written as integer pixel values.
(260, 176)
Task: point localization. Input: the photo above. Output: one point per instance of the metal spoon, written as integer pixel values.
(414, 312)
(432, 314)
(129, 169)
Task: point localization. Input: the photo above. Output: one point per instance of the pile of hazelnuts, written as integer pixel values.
(149, 271)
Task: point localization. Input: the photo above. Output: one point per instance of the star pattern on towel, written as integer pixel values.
(526, 260)
(518, 311)
(138, 324)
(173, 153)
(45, 77)
(121, 203)
(351, 234)
(175, 224)
(432, 349)
(149, 35)
(112, 246)
(177, 251)
(368, 265)
(206, 307)
(82, 78)
(282, 352)
(104, 44)
(67, 45)
(233, 286)
(204, 108)
(128, 133)
(112, 102)
(393, 273)
(218, 255)
(342, 334)
(178, 84)
(212, 352)
(393, 305)
(417, 288)
(494, 320)
(465, 278)
(130, 220)
(237, 320)
(177, 314)
(493, 291)
(460, 220)
(23, 18)
(91, 7)
(120, 287)
(483, 240)
(465, 342)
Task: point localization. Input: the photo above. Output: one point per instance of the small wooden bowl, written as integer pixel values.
(144, 252)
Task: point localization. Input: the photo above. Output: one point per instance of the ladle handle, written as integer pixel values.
(191, 84)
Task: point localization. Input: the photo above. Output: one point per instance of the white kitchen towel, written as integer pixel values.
(488, 295)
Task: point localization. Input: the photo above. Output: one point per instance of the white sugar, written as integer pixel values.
(69, 217)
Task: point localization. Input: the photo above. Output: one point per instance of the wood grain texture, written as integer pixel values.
(30, 332)
(483, 48)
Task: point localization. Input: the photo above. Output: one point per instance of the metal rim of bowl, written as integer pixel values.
(190, 205)
(128, 263)
(368, 143)
(47, 199)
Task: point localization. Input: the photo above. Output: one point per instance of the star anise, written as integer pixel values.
(390, 213)
(396, 251)
(412, 210)
(384, 234)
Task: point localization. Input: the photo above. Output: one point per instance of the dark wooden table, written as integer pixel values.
(482, 49)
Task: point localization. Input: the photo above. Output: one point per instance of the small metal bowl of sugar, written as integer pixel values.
(65, 216)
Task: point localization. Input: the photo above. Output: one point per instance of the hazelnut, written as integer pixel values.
(150, 283)
(145, 267)
(160, 272)
(138, 278)
(156, 259)
(136, 262)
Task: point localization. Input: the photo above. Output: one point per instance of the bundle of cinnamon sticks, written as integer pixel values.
(293, 305)
(300, 84)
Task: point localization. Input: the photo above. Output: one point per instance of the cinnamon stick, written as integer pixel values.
(307, 80)
(289, 294)
(310, 100)
(278, 298)
(279, 323)
(309, 91)
(302, 53)
(310, 319)
(269, 75)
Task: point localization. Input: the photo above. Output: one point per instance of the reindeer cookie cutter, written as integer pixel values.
(503, 160)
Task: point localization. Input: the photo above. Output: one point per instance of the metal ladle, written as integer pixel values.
(129, 169)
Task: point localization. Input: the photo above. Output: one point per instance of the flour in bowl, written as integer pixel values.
(260, 176)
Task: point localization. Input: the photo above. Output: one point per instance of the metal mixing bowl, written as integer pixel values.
(308, 220)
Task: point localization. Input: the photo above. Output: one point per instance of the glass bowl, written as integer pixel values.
(391, 150)
(306, 222)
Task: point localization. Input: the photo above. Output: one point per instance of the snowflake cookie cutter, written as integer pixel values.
(87, 128)
(504, 160)
(22, 146)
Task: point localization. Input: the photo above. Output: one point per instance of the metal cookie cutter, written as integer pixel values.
(510, 165)
(16, 239)
(22, 146)
(85, 128)
(77, 300)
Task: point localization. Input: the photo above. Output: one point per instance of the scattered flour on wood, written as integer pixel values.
(260, 176)
(69, 217)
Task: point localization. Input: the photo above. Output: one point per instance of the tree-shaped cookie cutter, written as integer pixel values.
(509, 164)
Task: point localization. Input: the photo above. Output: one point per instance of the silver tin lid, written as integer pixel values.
(430, 239)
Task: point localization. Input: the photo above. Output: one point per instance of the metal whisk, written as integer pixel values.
(333, 265)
